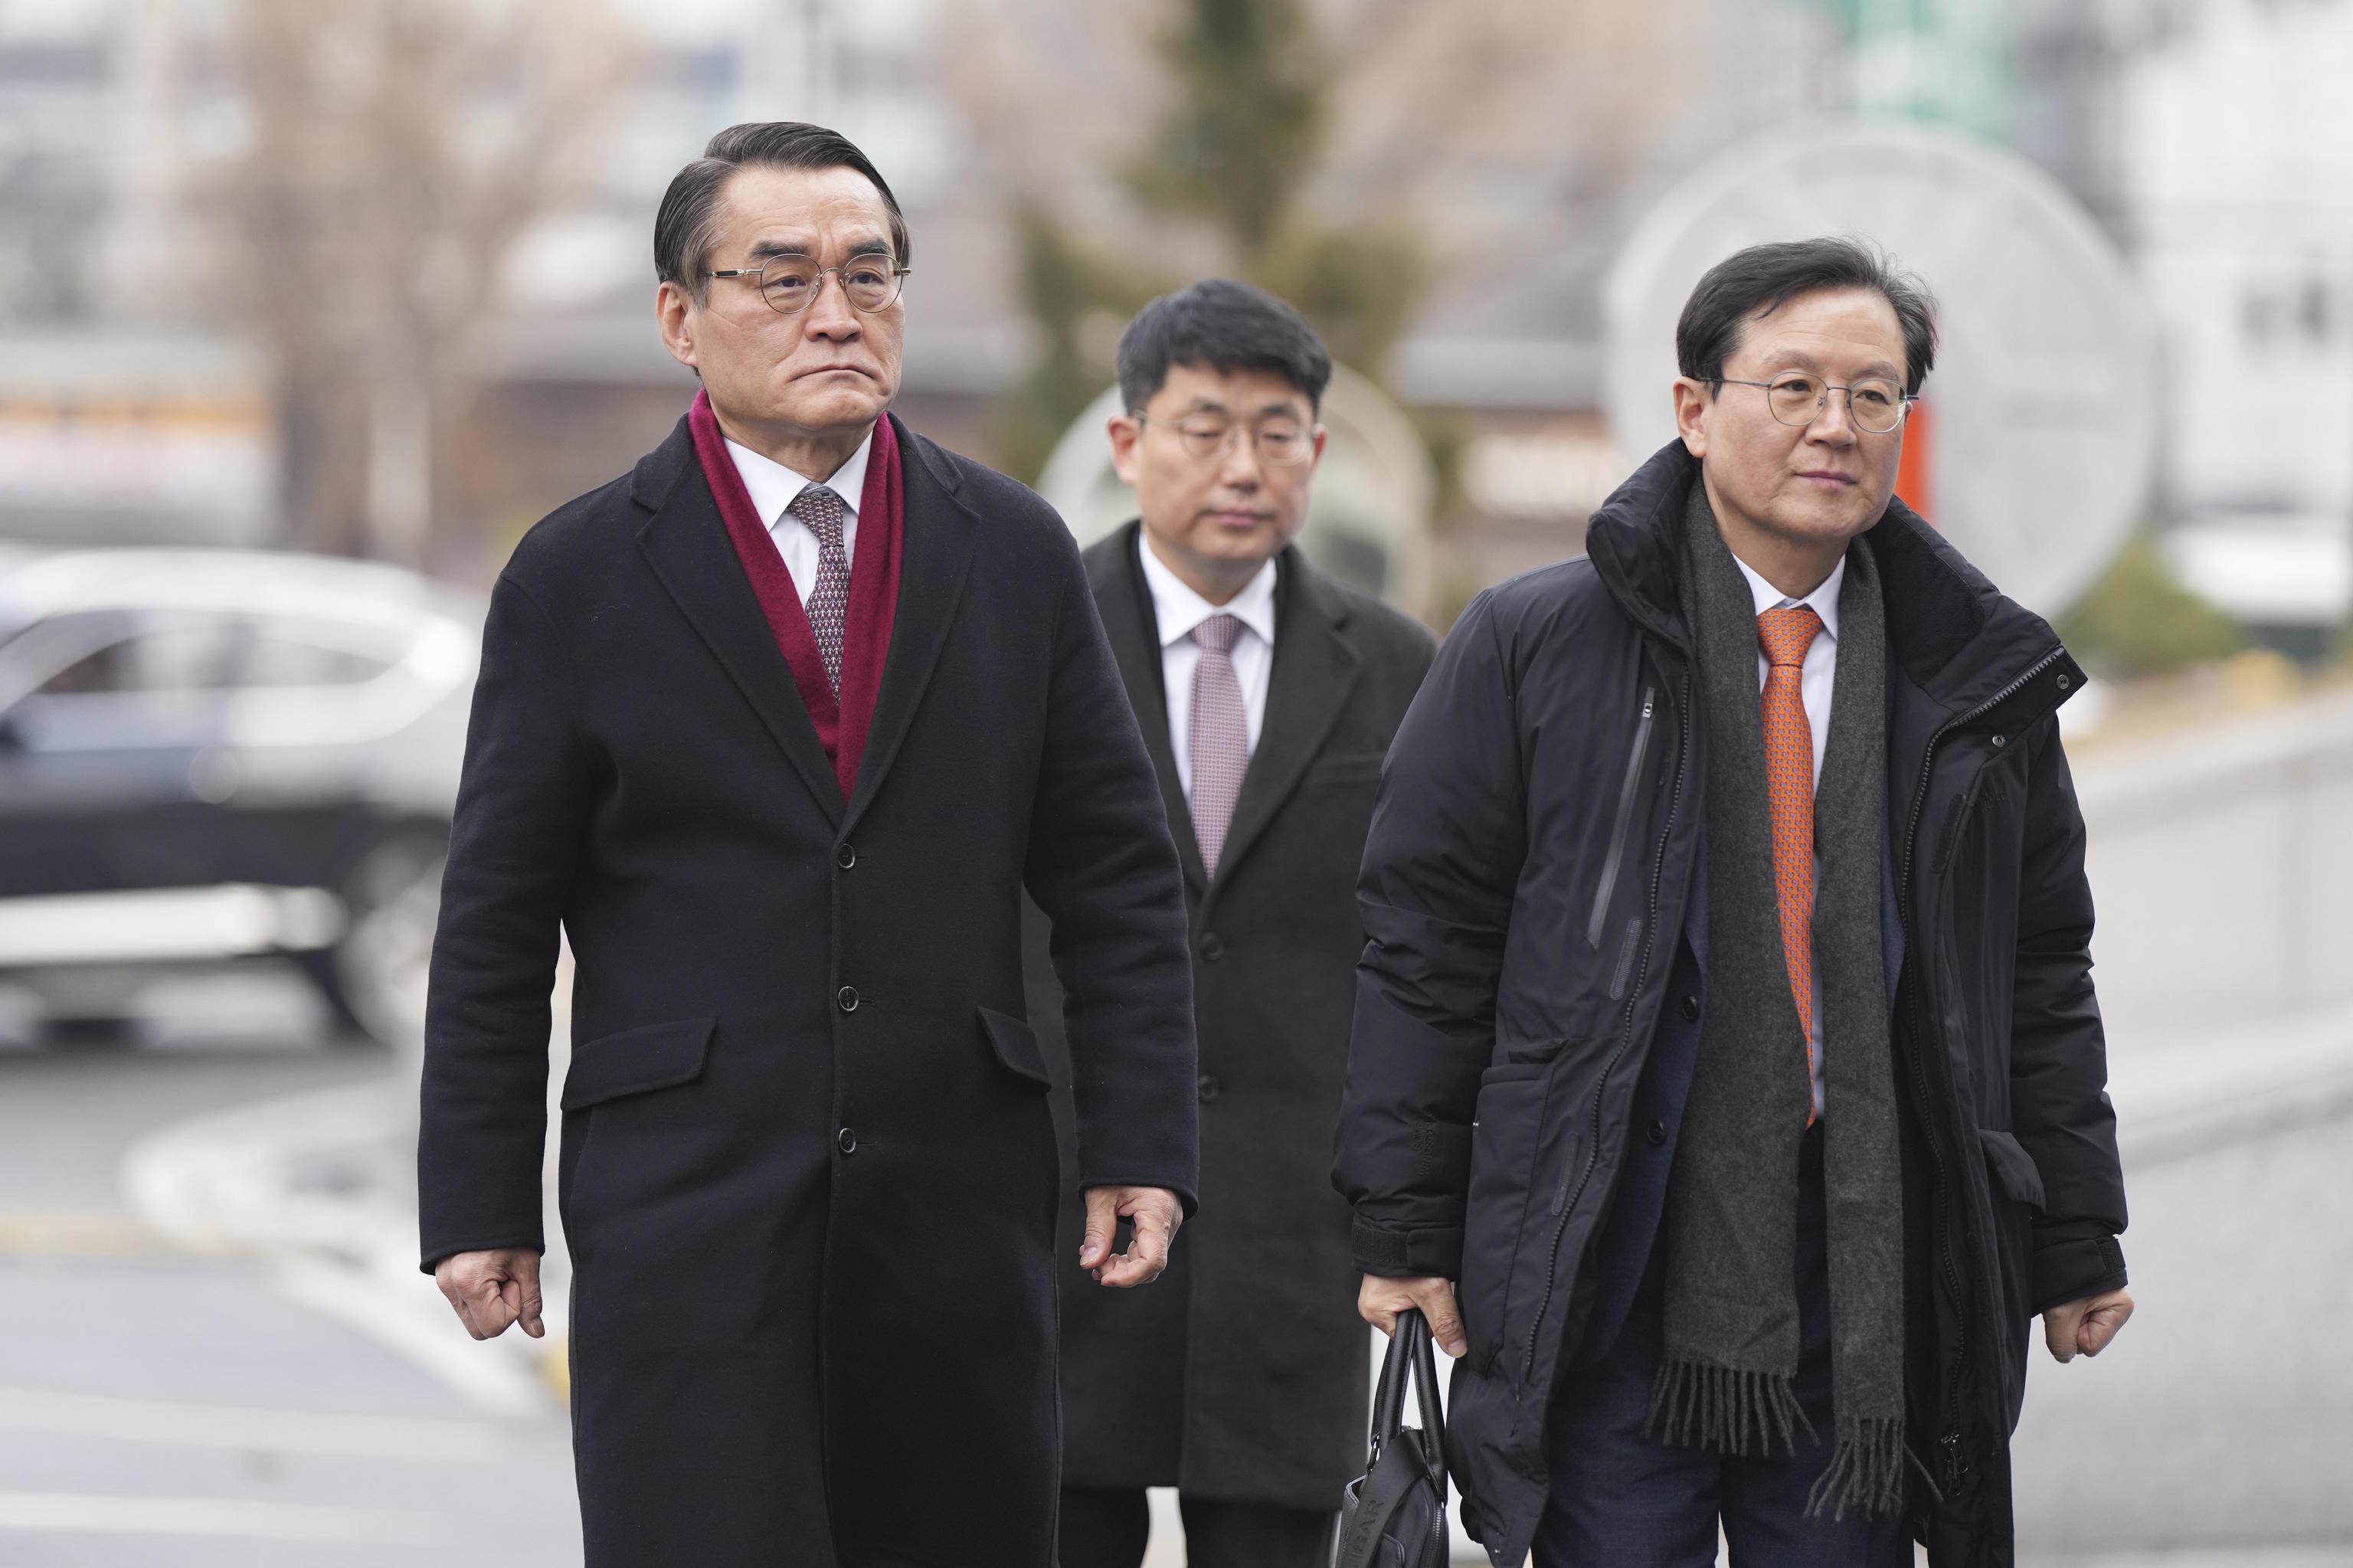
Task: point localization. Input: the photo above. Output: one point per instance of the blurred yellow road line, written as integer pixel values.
(77, 1232)
(555, 1365)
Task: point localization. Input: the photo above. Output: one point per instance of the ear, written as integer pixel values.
(1692, 401)
(675, 310)
(1126, 431)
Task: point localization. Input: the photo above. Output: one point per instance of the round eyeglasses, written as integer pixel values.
(1282, 443)
(1875, 405)
(791, 283)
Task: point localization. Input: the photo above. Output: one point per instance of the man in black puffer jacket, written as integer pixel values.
(1727, 1086)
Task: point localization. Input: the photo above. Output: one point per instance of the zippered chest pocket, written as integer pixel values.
(1597, 928)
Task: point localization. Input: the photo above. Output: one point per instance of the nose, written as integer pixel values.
(1834, 421)
(830, 315)
(1239, 468)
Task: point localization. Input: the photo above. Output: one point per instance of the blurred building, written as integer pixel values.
(1519, 138)
(2238, 201)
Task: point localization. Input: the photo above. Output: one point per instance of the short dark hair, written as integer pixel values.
(1753, 282)
(1226, 326)
(687, 225)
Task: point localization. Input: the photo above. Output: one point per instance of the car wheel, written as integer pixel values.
(393, 901)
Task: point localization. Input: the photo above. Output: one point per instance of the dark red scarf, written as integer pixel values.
(873, 587)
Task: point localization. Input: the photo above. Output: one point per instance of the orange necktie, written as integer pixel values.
(1785, 634)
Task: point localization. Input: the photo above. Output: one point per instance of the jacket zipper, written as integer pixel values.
(1952, 1461)
(1618, 834)
(1633, 1002)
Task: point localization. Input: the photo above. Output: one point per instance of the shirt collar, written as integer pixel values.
(773, 487)
(1824, 599)
(1180, 609)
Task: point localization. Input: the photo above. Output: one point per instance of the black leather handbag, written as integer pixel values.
(1396, 1516)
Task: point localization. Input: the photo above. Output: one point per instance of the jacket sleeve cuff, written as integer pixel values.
(434, 1252)
(2068, 1267)
(1186, 1199)
(1408, 1254)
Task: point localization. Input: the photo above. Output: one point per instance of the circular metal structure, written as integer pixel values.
(2034, 446)
(1367, 516)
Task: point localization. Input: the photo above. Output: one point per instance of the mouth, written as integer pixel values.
(834, 370)
(1237, 518)
(1830, 478)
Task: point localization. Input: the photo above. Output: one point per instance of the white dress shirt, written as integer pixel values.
(1815, 678)
(774, 488)
(1178, 610)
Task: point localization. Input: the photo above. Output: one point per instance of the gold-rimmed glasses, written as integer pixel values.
(791, 283)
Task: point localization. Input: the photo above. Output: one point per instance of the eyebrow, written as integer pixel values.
(768, 250)
(1280, 406)
(1799, 359)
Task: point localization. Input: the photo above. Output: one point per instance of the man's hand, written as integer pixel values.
(1381, 1300)
(2085, 1326)
(1157, 1213)
(492, 1289)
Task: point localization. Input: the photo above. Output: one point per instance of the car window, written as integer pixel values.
(280, 658)
(190, 655)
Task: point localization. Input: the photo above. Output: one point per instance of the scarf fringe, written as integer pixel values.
(1697, 1404)
(1865, 1472)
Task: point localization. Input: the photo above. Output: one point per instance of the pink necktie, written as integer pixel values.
(1217, 740)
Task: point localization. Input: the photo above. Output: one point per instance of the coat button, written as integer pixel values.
(846, 1141)
(1691, 1010)
(1213, 947)
(845, 857)
(1209, 1088)
(1656, 1132)
(846, 999)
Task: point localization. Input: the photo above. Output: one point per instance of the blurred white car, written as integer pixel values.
(211, 756)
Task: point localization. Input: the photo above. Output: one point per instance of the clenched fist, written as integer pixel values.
(492, 1289)
(1381, 1300)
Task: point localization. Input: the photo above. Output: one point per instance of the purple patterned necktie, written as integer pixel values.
(1217, 738)
(829, 601)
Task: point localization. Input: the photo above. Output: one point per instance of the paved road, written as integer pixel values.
(162, 1407)
(158, 1407)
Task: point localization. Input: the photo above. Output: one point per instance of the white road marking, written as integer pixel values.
(100, 1513)
(225, 1426)
(414, 1321)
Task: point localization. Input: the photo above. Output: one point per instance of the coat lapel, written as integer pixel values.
(935, 558)
(1123, 599)
(686, 544)
(1314, 671)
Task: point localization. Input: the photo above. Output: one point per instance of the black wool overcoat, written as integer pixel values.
(1242, 1372)
(807, 1169)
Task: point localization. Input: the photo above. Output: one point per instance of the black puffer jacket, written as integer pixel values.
(1524, 889)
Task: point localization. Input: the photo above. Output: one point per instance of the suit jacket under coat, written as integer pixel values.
(807, 1169)
(1242, 1373)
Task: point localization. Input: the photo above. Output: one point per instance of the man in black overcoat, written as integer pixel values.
(1267, 692)
(778, 728)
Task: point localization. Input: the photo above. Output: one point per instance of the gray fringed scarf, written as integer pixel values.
(1731, 1318)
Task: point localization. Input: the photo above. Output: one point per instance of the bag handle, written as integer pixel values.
(1425, 1392)
(1388, 1399)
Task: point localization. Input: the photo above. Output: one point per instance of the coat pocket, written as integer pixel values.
(1016, 1045)
(637, 1061)
(1506, 1139)
(2013, 1169)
